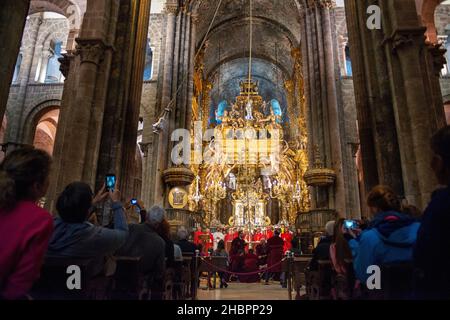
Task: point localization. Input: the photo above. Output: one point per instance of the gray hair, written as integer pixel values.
(156, 215)
(329, 228)
(182, 233)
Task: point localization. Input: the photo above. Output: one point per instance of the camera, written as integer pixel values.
(350, 224)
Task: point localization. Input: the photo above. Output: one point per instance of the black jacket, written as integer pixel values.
(432, 249)
(321, 252)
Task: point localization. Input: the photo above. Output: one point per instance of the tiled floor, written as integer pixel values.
(246, 291)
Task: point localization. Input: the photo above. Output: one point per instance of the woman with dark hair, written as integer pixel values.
(25, 228)
(75, 237)
(340, 251)
(389, 237)
(432, 251)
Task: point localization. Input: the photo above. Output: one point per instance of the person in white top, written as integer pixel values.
(218, 235)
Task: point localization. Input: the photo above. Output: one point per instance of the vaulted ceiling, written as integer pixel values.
(276, 31)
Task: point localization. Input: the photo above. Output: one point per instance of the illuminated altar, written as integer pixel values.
(249, 164)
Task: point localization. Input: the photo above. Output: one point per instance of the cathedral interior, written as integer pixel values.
(283, 112)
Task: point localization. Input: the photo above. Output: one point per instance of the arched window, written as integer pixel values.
(53, 74)
(348, 62)
(45, 131)
(148, 70)
(17, 68)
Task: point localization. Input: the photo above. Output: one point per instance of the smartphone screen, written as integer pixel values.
(349, 224)
(134, 202)
(110, 181)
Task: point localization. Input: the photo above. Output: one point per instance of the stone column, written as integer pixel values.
(12, 23)
(91, 53)
(361, 98)
(44, 63)
(164, 135)
(333, 113)
(134, 102)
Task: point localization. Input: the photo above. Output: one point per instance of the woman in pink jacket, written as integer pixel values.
(25, 228)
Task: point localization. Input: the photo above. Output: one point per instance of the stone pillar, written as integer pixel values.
(376, 119)
(333, 113)
(164, 135)
(12, 23)
(194, 22)
(134, 102)
(77, 157)
(44, 63)
(401, 93)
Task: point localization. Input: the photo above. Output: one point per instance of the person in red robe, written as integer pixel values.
(269, 233)
(287, 238)
(274, 256)
(250, 266)
(258, 236)
(197, 234)
(228, 239)
(208, 244)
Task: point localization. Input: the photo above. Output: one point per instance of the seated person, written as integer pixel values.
(144, 242)
(185, 245)
(322, 251)
(250, 266)
(390, 236)
(75, 237)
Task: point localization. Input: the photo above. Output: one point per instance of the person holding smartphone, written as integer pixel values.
(75, 237)
(389, 238)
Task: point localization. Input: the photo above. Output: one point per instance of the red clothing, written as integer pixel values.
(269, 234)
(275, 253)
(197, 237)
(287, 237)
(258, 236)
(24, 236)
(209, 244)
(250, 265)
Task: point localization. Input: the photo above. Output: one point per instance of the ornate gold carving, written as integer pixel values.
(178, 176)
(319, 176)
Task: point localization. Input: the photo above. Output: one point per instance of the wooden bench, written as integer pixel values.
(53, 281)
(320, 281)
(129, 282)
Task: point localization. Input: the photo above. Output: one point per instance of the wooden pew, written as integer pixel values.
(129, 282)
(52, 284)
(300, 264)
(321, 281)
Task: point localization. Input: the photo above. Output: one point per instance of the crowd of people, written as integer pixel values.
(29, 234)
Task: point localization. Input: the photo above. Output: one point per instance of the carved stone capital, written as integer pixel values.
(403, 38)
(65, 62)
(437, 51)
(90, 50)
(171, 8)
(326, 4)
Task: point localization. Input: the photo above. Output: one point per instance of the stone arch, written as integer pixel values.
(426, 10)
(70, 9)
(33, 117)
